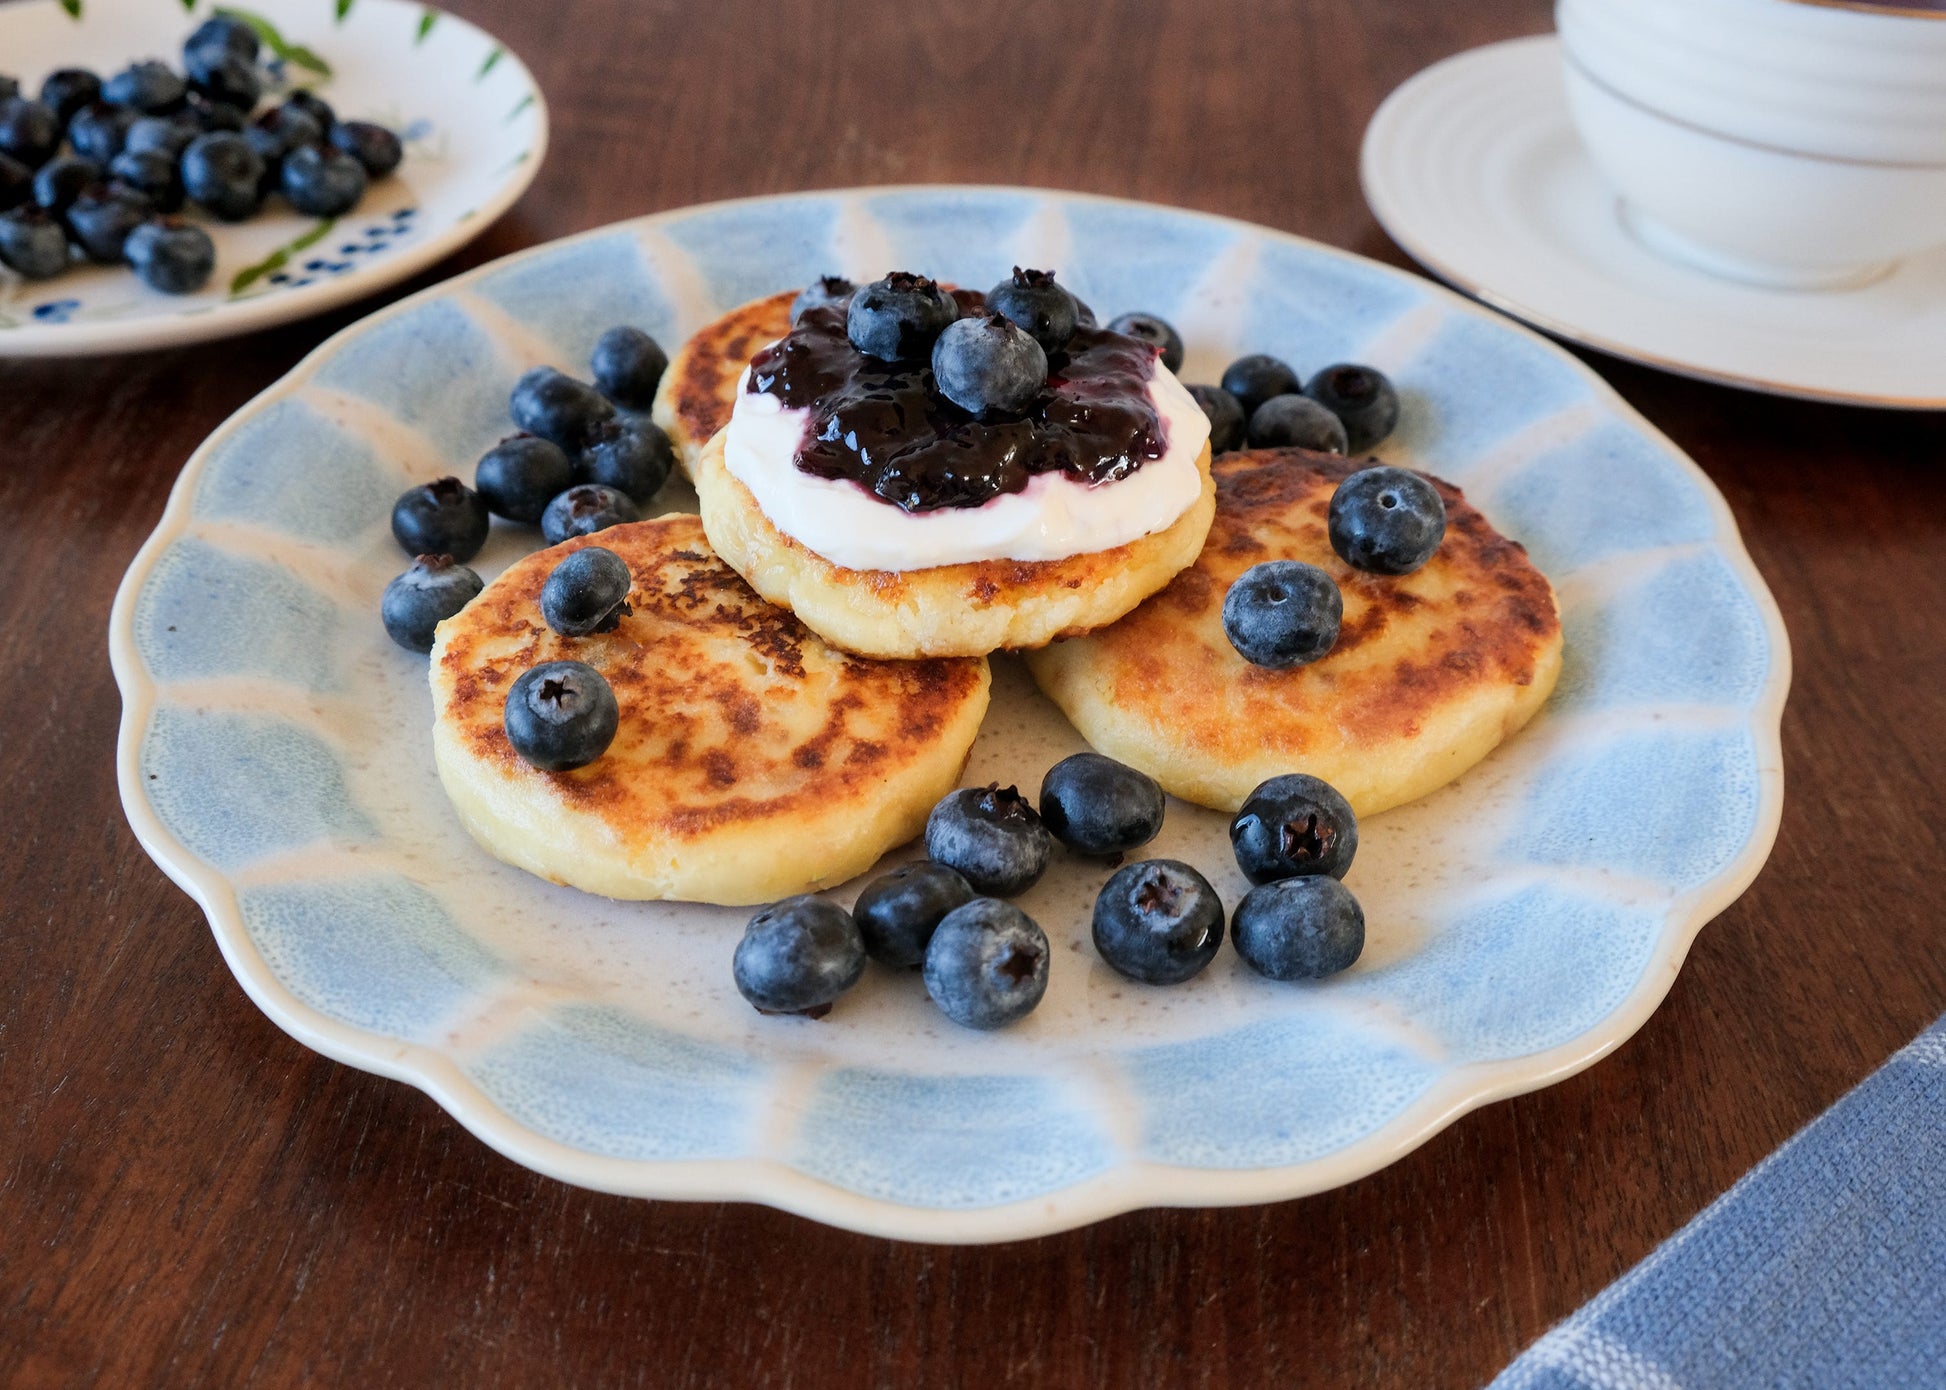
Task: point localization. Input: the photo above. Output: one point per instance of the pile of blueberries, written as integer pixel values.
(586, 458)
(1264, 404)
(149, 140)
(1157, 921)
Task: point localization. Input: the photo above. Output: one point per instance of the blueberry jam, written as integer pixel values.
(884, 426)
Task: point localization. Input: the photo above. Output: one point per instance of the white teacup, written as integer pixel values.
(1781, 142)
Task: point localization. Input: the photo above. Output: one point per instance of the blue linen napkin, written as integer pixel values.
(1824, 1267)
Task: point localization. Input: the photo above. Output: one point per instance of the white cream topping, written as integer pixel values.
(1053, 517)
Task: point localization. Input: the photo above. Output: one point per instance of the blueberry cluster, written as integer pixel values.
(1284, 613)
(147, 141)
(1157, 921)
(584, 461)
(1263, 403)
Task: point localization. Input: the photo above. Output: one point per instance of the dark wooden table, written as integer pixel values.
(189, 1198)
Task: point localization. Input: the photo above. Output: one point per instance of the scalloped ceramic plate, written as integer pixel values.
(1523, 922)
(475, 130)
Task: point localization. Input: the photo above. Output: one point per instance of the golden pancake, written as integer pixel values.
(948, 610)
(1430, 672)
(752, 761)
(693, 402)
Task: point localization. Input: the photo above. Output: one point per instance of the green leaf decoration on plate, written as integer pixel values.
(491, 59)
(280, 258)
(521, 105)
(295, 54)
(344, 8)
(73, 7)
(426, 21)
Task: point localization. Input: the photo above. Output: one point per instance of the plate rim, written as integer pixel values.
(1374, 189)
(1131, 1184)
(112, 337)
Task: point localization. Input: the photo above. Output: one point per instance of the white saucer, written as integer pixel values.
(1474, 168)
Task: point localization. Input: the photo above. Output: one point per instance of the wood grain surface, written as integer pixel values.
(190, 1198)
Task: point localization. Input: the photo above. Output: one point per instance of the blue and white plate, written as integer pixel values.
(275, 760)
(471, 116)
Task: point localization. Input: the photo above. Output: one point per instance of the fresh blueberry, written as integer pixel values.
(172, 256)
(223, 173)
(561, 715)
(98, 130)
(585, 509)
(1256, 378)
(16, 183)
(627, 366)
(1095, 805)
(898, 912)
(1363, 399)
(899, 318)
(150, 174)
(988, 366)
(1387, 520)
(1299, 929)
(1283, 613)
(32, 243)
(314, 106)
(798, 956)
(29, 131)
(222, 34)
(1226, 418)
(992, 837)
(1155, 332)
(823, 291)
(102, 219)
(150, 87)
(986, 964)
(555, 406)
(321, 182)
(219, 76)
(62, 179)
(422, 598)
(587, 592)
(631, 456)
(519, 476)
(292, 124)
(207, 115)
(1296, 422)
(1158, 921)
(67, 90)
(1032, 300)
(1294, 826)
(441, 518)
(373, 146)
(163, 135)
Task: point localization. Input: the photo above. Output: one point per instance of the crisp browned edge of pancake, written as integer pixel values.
(714, 358)
(929, 691)
(1517, 620)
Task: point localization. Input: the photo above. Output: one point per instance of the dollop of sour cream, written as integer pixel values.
(1054, 517)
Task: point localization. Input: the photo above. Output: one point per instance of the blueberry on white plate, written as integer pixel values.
(1255, 378)
(1158, 921)
(627, 365)
(550, 403)
(898, 912)
(1095, 805)
(1227, 422)
(1364, 400)
(1294, 826)
(521, 474)
(798, 956)
(986, 965)
(444, 517)
(418, 601)
(992, 836)
(1299, 929)
(1296, 422)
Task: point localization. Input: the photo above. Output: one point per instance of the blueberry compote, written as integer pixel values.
(885, 427)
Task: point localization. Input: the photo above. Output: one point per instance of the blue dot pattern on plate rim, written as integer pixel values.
(1668, 661)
